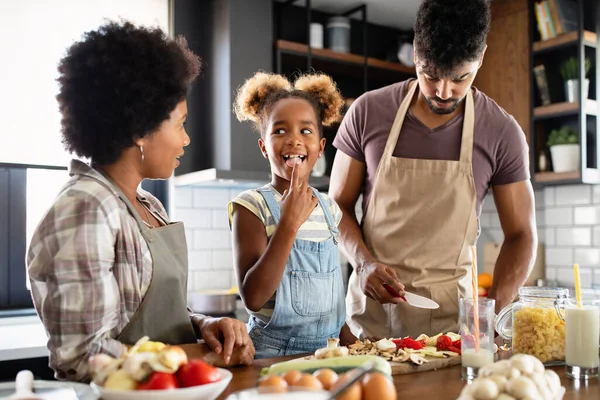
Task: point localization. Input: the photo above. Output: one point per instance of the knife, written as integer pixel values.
(413, 299)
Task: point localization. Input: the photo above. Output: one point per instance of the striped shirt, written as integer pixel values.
(89, 267)
(314, 229)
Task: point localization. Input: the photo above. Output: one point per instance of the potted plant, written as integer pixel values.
(569, 70)
(564, 149)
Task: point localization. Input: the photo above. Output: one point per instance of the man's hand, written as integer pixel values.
(222, 335)
(372, 277)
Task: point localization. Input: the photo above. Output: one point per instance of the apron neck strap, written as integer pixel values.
(466, 143)
(390, 145)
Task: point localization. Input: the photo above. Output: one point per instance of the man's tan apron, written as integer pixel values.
(421, 221)
(163, 314)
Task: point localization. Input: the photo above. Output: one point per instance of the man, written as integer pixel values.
(423, 154)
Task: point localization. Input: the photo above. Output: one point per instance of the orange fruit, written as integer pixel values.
(484, 280)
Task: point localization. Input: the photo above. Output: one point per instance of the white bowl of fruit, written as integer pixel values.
(155, 371)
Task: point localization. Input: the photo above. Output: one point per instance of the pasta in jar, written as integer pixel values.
(539, 332)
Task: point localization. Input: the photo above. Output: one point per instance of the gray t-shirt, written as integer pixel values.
(500, 151)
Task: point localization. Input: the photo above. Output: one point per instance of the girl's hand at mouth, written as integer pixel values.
(298, 201)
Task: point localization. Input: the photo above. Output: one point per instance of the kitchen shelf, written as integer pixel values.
(286, 46)
(589, 176)
(564, 108)
(589, 39)
(557, 176)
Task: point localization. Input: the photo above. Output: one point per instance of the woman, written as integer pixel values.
(106, 266)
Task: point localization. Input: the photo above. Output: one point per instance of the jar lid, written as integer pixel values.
(543, 292)
(338, 21)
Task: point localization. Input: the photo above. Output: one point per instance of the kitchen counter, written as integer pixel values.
(443, 384)
(22, 337)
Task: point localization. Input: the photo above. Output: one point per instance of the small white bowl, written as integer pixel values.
(210, 391)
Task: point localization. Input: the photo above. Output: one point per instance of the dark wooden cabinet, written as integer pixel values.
(504, 75)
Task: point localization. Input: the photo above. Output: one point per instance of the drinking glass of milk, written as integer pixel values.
(582, 333)
(477, 335)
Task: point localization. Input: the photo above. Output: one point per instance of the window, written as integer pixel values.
(32, 159)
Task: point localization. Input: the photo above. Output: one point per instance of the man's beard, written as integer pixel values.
(453, 105)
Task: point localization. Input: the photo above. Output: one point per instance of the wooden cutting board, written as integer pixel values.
(433, 364)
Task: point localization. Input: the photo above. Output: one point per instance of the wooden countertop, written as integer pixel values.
(443, 384)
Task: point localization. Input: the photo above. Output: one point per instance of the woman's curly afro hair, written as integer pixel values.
(257, 96)
(119, 84)
(449, 33)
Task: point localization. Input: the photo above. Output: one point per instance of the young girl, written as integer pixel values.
(285, 233)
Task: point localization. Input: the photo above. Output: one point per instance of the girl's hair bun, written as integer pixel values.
(325, 91)
(252, 95)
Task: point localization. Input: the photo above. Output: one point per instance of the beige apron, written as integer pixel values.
(163, 314)
(421, 221)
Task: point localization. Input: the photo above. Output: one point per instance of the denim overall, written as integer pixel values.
(309, 304)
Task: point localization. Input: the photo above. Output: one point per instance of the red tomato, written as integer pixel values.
(443, 342)
(159, 381)
(197, 372)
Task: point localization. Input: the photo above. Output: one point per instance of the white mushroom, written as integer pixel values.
(504, 396)
(522, 387)
(553, 380)
(523, 363)
(417, 359)
(512, 373)
(538, 365)
(385, 345)
(500, 381)
(496, 368)
(332, 350)
(484, 389)
(542, 386)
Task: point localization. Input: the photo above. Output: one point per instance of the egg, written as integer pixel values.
(326, 376)
(309, 382)
(292, 376)
(354, 392)
(377, 386)
(274, 383)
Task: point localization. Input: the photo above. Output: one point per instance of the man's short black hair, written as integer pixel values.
(449, 33)
(118, 84)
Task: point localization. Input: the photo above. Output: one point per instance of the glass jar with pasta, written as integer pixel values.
(535, 323)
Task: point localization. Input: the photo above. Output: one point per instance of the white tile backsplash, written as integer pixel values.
(549, 195)
(596, 236)
(204, 213)
(211, 239)
(573, 195)
(587, 215)
(220, 219)
(573, 236)
(587, 257)
(565, 277)
(549, 237)
(200, 260)
(596, 193)
(562, 216)
(184, 198)
(205, 280)
(222, 259)
(193, 218)
(208, 198)
(559, 256)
